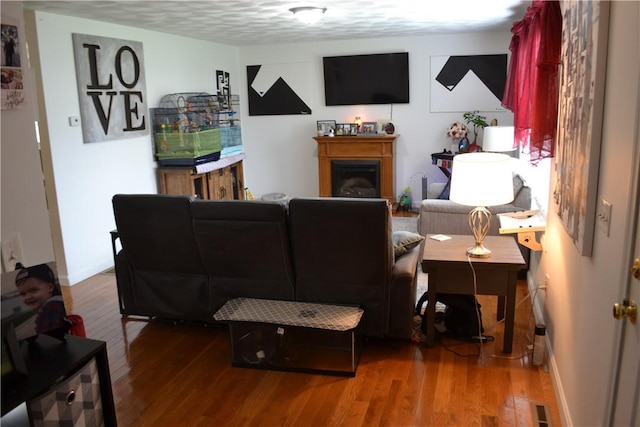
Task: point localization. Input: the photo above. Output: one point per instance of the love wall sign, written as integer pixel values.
(111, 88)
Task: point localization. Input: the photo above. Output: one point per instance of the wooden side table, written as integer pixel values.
(449, 271)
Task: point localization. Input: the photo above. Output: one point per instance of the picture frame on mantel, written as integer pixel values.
(368, 128)
(324, 127)
(345, 129)
(386, 127)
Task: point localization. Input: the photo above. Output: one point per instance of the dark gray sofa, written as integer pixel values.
(182, 259)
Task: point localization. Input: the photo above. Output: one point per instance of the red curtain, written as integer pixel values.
(531, 90)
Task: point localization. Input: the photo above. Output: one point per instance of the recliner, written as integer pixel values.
(160, 272)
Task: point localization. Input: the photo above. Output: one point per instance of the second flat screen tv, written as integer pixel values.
(366, 79)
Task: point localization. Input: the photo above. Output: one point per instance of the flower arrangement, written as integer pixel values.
(457, 130)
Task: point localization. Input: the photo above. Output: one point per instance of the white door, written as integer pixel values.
(626, 398)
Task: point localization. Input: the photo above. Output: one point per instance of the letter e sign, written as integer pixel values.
(111, 88)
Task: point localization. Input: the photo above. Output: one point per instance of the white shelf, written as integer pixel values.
(525, 224)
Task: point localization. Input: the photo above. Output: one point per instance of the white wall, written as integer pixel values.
(282, 156)
(582, 290)
(24, 206)
(88, 175)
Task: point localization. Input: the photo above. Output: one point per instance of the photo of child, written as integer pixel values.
(40, 291)
(35, 300)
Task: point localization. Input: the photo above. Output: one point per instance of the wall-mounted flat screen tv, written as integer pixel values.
(366, 79)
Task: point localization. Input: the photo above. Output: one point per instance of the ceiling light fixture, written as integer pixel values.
(308, 14)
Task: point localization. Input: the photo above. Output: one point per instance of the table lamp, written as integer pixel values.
(481, 180)
(497, 139)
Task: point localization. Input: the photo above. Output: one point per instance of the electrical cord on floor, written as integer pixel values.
(524, 298)
(459, 342)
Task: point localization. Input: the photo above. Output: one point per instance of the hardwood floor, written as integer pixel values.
(181, 375)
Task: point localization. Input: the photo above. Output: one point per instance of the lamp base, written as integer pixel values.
(478, 251)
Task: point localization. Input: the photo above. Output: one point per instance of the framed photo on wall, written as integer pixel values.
(12, 94)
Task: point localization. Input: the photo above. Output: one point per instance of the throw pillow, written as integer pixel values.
(445, 191)
(404, 241)
(518, 183)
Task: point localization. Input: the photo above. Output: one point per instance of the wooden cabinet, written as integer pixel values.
(220, 180)
(183, 181)
(220, 183)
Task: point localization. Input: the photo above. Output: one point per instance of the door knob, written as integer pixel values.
(627, 308)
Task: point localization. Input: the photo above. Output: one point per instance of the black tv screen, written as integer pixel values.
(366, 79)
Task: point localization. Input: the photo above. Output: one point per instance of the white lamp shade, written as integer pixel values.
(481, 179)
(498, 138)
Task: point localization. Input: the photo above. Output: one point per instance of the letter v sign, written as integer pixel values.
(104, 118)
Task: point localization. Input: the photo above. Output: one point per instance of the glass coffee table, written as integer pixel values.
(293, 336)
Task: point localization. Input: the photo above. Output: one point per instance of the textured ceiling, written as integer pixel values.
(254, 22)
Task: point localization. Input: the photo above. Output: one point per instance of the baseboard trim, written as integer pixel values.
(551, 365)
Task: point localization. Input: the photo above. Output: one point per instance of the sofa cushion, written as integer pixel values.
(434, 189)
(404, 241)
(244, 245)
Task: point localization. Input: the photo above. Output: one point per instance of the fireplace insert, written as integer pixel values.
(355, 178)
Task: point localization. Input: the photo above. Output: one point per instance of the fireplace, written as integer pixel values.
(355, 178)
(358, 154)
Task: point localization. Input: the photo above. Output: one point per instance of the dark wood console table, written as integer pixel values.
(374, 147)
(444, 161)
(60, 370)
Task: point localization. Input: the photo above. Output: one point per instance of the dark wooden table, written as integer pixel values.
(449, 271)
(444, 161)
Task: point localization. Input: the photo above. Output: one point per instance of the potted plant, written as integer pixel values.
(478, 121)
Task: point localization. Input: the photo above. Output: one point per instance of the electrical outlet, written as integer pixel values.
(12, 252)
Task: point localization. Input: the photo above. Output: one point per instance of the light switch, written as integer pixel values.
(74, 121)
(603, 216)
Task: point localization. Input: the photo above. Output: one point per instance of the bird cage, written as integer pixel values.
(186, 129)
(229, 122)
